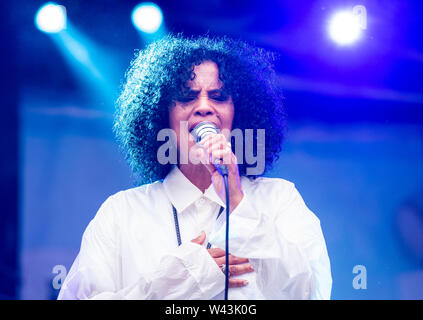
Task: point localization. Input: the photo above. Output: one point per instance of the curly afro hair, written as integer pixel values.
(158, 74)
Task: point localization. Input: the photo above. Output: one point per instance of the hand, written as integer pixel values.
(237, 266)
(216, 147)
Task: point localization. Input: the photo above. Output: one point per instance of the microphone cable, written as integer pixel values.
(223, 170)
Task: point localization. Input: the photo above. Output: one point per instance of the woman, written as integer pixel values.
(165, 239)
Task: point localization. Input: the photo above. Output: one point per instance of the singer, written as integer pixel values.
(165, 239)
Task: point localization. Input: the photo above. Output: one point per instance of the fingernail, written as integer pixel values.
(245, 282)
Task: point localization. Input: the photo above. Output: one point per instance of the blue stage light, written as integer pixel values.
(147, 17)
(345, 27)
(51, 18)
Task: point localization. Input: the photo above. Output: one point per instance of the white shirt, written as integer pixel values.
(130, 250)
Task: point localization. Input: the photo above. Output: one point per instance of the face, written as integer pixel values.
(204, 101)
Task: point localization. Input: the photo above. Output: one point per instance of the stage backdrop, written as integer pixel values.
(354, 177)
(354, 147)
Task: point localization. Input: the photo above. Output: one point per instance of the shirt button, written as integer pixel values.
(201, 202)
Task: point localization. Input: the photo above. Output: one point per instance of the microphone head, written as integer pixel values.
(203, 129)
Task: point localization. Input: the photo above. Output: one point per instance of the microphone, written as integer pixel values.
(202, 130)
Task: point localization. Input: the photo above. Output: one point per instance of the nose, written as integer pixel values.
(204, 108)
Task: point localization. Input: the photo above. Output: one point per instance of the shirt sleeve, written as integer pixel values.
(284, 245)
(188, 272)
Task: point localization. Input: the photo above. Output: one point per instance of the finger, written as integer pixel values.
(237, 260)
(214, 140)
(220, 151)
(216, 252)
(224, 156)
(219, 138)
(216, 146)
(232, 260)
(235, 270)
(235, 283)
(200, 239)
(206, 141)
(220, 260)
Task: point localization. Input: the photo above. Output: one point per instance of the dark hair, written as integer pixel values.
(154, 81)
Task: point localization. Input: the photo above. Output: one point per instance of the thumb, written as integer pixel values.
(200, 239)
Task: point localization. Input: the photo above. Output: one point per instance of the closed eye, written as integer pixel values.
(221, 98)
(186, 99)
(188, 96)
(218, 95)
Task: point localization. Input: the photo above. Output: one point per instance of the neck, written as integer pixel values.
(197, 174)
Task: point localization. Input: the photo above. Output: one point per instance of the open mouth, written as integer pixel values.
(193, 125)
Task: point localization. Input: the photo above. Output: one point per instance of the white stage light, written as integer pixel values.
(147, 17)
(51, 18)
(345, 28)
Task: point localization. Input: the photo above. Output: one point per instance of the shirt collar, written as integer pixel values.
(182, 193)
